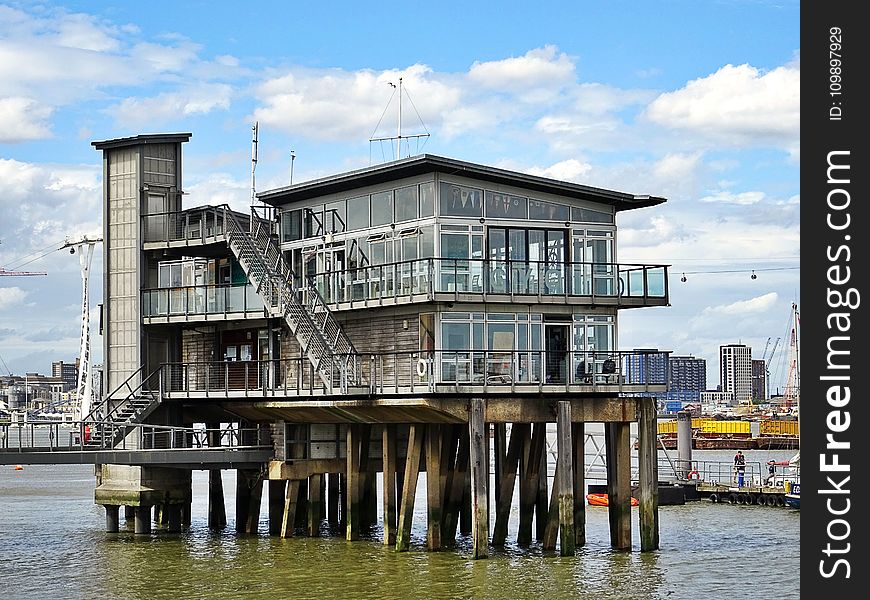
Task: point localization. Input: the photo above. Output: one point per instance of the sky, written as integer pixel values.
(697, 102)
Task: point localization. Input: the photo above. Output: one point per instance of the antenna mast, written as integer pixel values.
(254, 163)
(399, 137)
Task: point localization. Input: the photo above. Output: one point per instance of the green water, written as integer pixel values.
(53, 545)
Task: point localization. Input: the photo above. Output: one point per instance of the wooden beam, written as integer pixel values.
(499, 442)
(332, 510)
(649, 475)
(389, 485)
(508, 479)
(551, 531)
(291, 495)
(409, 487)
(567, 543)
(479, 440)
(541, 506)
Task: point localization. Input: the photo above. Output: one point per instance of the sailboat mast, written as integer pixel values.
(797, 366)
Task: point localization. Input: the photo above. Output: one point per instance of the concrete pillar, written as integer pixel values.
(648, 475)
(112, 518)
(143, 520)
(684, 444)
(478, 459)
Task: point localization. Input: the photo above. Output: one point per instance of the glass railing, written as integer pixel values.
(428, 276)
(194, 224)
(201, 300)
(400, 372)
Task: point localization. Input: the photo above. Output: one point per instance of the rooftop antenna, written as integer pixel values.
(254, 163)
(292, 160)
(399, 137)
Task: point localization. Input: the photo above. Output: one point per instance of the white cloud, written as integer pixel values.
(538, 69)
(11, 296)
(135, 113)
(23, 119)
(738, 104)
(759, 304)
(742, 198)
(677, 166)
(566, 170)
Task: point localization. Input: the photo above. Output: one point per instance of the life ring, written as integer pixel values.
(421, 368)
(693, 474)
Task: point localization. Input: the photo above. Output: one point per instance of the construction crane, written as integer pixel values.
(85, 247)
(4, 272)
(767, 359)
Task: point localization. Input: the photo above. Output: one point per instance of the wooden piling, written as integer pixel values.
(332, 510)
(433, 487)
(409, 488)
(499, 442)
(541, 501)
(533, 450)
(315, 504)
(567, 542)
(508, 479)
(291, 496)
(578, 438)
(352, 492)
(173, 518)
(478, 459)
(389, 484)
(455, 491)
(276, 505)
(256, 482)
(619, 484)
(648, 493)
(551, 530)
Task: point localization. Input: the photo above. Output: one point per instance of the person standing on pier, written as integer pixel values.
(740, 466)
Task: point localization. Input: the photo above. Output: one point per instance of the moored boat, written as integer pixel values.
(601, 500)
(793, 495)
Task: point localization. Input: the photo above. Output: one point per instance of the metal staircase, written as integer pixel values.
(107, 419)
(320, 336)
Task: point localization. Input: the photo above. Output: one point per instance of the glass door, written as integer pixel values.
(556, 353)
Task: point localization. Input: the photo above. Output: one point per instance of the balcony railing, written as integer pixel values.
(429, 276)
(194, 225)
(431, 371)
(201, 300)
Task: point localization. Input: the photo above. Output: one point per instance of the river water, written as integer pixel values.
(53, 544)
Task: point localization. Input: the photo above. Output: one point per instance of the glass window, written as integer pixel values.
(313, 218)
(460, 201)
(506, 206)
(454, 245)
(456, 336)
(336, 217)
(291, 225)
(427, 242)
(357, 213)
(427, 199)
(382, 208)
(587, 215)
(406, 204)
(163, 276)
(548, 211)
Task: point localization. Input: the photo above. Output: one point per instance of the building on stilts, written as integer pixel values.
(383, 322)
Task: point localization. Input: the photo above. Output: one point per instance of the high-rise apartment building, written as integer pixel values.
(735, 371)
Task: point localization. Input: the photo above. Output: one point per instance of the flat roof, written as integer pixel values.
(136, 140)
(427, 163)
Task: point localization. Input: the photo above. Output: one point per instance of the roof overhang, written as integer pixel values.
(428, 163)
(138, 140)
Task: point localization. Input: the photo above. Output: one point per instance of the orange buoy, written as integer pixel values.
(601, 500)
(19, 468)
